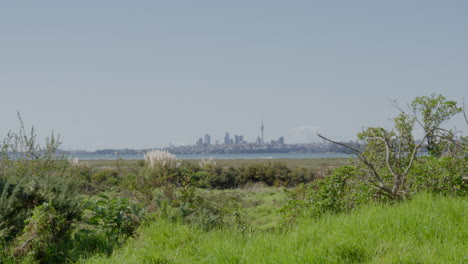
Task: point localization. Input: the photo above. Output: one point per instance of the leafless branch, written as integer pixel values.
(464, 112)
(413, 155)
(358, 153)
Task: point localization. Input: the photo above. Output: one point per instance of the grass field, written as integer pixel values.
(426, 229)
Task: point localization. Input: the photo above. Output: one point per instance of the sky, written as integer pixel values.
(144, 74)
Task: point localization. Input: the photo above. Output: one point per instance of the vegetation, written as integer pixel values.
(428, 229)
(388, 156)
(388, 205)
(318, 164)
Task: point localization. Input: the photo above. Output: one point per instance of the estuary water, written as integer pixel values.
(222, 156)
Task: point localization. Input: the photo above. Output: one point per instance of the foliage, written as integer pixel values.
(207, 164)
(300, 175)
(161, 169)
(16, 205)
(432, 112)
(440, 176)
(104, 175)
(31, 175)
(44, 236)
(388, 156)
(273, 174)
(217, 177)
(339, 192)
(426, 229)
(116, 218)
(186, 205)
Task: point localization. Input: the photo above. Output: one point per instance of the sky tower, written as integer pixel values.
(261, 128)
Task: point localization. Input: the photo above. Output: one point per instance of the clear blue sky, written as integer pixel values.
(141, 74)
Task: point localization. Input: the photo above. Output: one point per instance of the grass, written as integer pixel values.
(426, 229)
(260, 204)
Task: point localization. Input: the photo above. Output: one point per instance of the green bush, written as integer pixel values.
(342, 191)
(439, 175)
(272, 174)
(300, 175)
(116, 218)
(19, 196)
(104, 175)
(44, 236)
(32, 179)
(219, 178)
(183, 203)
(15, 207)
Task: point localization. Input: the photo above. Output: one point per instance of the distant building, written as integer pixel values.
(258, 141)
(227, 140)
(199, 142)
(281, 140)
(261, 128)
(207, 140)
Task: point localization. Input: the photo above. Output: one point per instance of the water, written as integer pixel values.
(224, 156)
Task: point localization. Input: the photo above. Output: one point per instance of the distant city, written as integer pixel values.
(238, 140)
(234, 145)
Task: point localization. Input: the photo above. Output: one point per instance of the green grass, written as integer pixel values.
(427, 229)
(260, 204)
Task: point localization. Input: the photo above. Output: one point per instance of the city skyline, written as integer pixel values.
(239, 139)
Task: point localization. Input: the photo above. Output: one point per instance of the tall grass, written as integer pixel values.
(427, 229)
(161, 159)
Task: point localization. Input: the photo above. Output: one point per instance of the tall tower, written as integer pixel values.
(261, 128)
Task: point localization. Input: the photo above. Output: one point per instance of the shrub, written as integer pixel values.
(218, 177)
(271, 173)
(342, 191)
(116, 218)
(204, 211)
(15, 207)
(201, 179)
(30, 176)
(300, 175)
(439, 175)
(207, 164)
(104, 175)
(44, 236)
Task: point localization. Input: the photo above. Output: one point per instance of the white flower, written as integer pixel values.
(73, 161)
(161, 159)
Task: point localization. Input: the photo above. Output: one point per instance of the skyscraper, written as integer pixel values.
(207, 140)
(281, 140)
(262, 127)
(227, 140)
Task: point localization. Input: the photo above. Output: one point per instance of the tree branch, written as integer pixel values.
(358, 153)
(464, 112)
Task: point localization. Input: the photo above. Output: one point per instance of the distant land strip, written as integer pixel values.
(229, 149)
